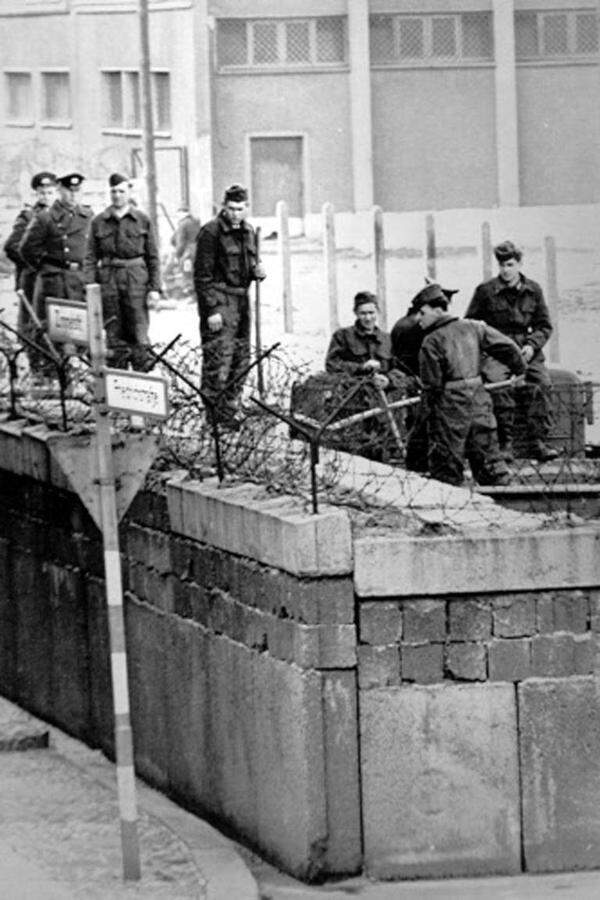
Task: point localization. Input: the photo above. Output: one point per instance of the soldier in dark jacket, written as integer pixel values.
(363, 351)
(44, 185)
(226, 263)
(54, 246)
(460, 419)
(407, 337)
(122, 257)
(515, 305)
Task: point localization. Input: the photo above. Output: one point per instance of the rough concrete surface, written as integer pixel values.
(440, 781)
(559, 723)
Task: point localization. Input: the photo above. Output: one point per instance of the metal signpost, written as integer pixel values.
(139, 394)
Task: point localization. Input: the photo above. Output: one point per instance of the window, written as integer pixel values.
(161, 93)
(556, 34)
(56, 98)
(269, 43)
(122, 100)
(431, 39)
(19, 105)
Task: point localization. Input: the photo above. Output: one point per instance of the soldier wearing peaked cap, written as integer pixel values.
(44, 185)
(122, 257)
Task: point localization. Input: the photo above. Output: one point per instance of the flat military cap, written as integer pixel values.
(426, 295)
(43, 179)
(73, 179)
(116, 178)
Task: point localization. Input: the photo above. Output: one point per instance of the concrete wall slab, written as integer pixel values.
(440, 781)
(559, 724)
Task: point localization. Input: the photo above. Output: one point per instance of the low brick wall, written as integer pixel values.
(415, 707)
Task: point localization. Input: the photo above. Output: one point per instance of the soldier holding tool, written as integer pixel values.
(460, 420)
(225, 265)
(122, 257)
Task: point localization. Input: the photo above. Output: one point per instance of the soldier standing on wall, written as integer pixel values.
(44, 186)
(226, 263)
(460, 420)
(122, 257)
(515, 305)
(54, 246)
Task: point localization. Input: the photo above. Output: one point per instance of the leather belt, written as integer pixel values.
(73, 265)
(115, 263)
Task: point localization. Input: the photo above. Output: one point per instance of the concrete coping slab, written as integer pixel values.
(476, 563)
(276, 531)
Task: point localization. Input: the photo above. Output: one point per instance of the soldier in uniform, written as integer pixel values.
(122, 257)
(225, 265)
(54, 245)
(515, 305)
(44, 186)
(460, 419)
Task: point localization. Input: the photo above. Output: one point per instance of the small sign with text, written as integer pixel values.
(67, 321)
(136, 393)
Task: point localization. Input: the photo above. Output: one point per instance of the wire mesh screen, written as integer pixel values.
(281, 42)
(555, 35)
(586, 33)
(408, 39)
(297, 42)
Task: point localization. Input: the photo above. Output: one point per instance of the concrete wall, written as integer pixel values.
(242, 674)
(557, 133)
(434, 144)
(334, 705)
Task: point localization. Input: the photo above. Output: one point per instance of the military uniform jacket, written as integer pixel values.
(57, 236)
(351, 347)
(225, 263)
(122, 238)
(520, 312)
(452, 349)
(11, 247)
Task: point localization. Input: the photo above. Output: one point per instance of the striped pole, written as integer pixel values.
(114, 596)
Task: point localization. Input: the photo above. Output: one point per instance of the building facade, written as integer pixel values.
(408, 104)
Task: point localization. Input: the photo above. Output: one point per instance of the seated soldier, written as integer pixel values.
(460, 419)
(363, 351)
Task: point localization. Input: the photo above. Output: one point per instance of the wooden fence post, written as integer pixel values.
(430, 252)
(283, 230)
(380, 265)
(330, 265)
(552, 298)
(486, 251)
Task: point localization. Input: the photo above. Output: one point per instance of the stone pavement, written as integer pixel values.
(59, 828)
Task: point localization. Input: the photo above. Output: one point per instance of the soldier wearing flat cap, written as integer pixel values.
(54, 245)
(515, 305)
(458, 409)
(122, 257)
(225, 265)
(43, 184)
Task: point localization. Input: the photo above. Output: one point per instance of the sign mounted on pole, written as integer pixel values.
(132, 392)
(67, 321)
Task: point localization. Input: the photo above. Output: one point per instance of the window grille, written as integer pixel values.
(557, 34)
(19, 106)
(266, 43)
(56, 97)
(129, 102)
(430, 39)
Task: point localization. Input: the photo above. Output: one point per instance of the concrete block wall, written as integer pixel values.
(365, 707)
(242, 674)
(478, 709)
